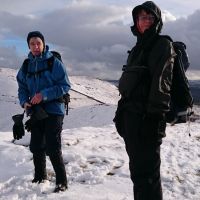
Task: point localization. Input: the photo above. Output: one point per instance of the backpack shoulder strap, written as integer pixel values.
(25, 66)
(57, 55)
(167, 37)
(50, 62)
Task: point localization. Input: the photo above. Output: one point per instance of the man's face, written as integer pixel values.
(36, 46)
(144, 21)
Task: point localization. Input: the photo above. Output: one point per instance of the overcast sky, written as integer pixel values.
(92, 35)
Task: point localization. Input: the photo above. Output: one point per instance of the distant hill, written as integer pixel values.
(195, 89)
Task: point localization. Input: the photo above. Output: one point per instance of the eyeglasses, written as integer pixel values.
(151, 18)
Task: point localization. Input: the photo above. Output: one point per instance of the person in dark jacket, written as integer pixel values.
(145, 95)
(39, 90)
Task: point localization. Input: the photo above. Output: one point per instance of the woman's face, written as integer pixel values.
(36, 46)
(144, 21)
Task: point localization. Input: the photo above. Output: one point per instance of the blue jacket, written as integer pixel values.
(51, 84)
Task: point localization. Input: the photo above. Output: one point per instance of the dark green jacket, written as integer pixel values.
(146, 81)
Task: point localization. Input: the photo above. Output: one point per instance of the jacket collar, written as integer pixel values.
(45, 55)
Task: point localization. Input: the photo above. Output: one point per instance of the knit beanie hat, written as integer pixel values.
(35, 34)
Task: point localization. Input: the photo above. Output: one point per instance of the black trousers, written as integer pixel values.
(143, 150)
(46, 139)
(46, 135)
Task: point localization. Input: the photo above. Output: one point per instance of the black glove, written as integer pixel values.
(18, 131)
(37, 115)
(170, 116)
(153, 127)
(30, 123)
(18, 127)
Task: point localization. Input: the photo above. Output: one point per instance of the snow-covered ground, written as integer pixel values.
(94, 154)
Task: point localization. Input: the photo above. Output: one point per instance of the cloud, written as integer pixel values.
(36, 7)
(167, 16)
(92, 38)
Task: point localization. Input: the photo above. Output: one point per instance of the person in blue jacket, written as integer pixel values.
(39, 90)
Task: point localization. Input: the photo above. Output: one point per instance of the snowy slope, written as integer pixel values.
(94, 154)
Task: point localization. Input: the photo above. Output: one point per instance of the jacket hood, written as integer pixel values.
(151, 7)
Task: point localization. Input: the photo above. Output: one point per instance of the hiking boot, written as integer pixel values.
(39, 180)
(60, 188)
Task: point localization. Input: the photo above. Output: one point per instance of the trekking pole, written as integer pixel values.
(188, 122)
(189, 126)
(67, 108)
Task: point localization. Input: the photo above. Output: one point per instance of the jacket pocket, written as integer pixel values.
(131, 77)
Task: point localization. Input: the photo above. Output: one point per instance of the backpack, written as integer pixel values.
(181, 98)
(66, 97)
